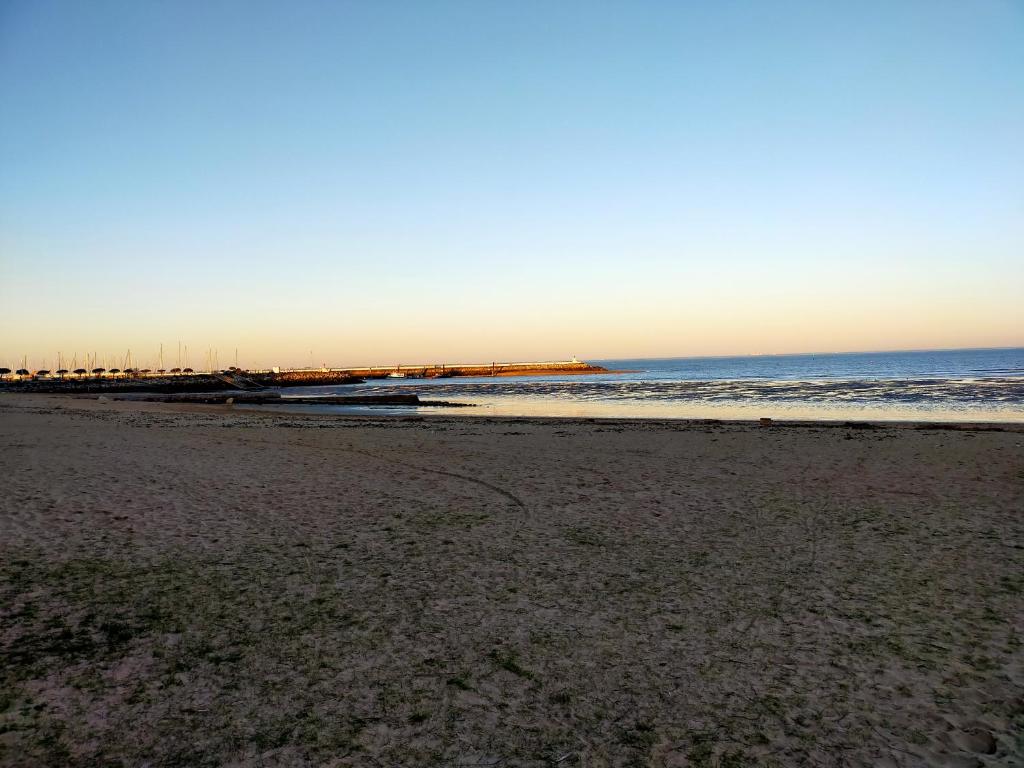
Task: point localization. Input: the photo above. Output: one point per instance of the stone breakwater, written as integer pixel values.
(433, 371)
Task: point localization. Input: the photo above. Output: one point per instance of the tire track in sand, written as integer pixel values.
(418, 468)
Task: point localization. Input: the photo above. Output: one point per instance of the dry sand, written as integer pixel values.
(211, 587)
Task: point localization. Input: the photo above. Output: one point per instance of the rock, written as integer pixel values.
(765, 422)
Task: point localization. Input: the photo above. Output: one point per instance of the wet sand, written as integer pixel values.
(197, 585)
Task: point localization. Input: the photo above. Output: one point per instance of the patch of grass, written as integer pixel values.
(734, 759)
(917, 737)
(699, 559)
(640, 736)
(562, 697)
(459, 682)
(36, 647)
(702, 752)
(507, 660)
(1012, 584)
(116, 633)
(771, 705)
(586, 537)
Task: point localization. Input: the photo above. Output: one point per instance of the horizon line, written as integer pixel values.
(901, 350)
(686, 357)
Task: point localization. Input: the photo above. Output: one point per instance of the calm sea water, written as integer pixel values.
(959, 385)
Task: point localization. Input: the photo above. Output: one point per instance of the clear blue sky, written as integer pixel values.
(382, 182)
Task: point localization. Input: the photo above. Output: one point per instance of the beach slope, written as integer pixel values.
(186, 585)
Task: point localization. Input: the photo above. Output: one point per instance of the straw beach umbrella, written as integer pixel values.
(63, 372)
(79, 372)
(99, 371)
(22, 372)
(4, 372)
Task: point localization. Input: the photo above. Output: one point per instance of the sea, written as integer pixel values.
(965, 385)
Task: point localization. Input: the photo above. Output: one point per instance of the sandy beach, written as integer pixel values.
(206, 586)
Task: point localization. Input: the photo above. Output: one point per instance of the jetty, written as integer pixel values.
(101, 381)
(313, 376)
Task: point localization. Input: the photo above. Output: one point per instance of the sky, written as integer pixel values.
(415, 182)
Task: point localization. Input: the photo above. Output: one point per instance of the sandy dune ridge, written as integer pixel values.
(205, 586)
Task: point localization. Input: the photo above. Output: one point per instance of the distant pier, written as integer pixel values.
(430, 371)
